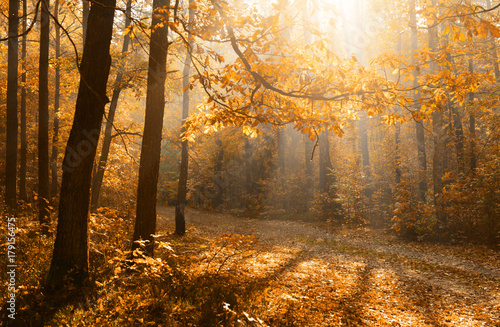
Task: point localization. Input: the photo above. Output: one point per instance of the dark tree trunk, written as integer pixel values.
(180, 221)
(419, 124)
(85, 18)
(43, 120)
(24, 143)
(145, 223)
(325, 164)
(54, 186)
(11, 146)
(100, 168)
(70, 257)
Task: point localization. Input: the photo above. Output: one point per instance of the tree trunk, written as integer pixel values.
(43, 120)
(57, 95)
(439, 133)
(419, 124)
(180, 221)
(397, 134)
(280, 139)
(398, 153)
(24, 144)
(363, 139)
(70, 257)
(472, 127)
(100, 168)
(85, 18)
(325, 164)
(12, 70)
(219, 180)
(145, 223)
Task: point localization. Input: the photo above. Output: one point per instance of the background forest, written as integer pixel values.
(374, 114)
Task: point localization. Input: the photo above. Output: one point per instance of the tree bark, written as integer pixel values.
(85, 18)
(325, 164)
(419, 124)
(43, 120)
(98, 176)
(70, 256)
(145, 223)
(54, 186)
(24, 144)
(12, 70)
(180, 220)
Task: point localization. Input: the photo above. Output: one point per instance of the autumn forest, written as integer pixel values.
(250, 163)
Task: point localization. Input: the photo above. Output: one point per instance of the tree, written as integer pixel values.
(419, 124)
(85, 18)
(57, 95)
(43, 119)
(438, 130)
(11, 152)
(145, 221)
(325, 164)
(106, 144)
(180, 220)
(24, 146)
(70, 256)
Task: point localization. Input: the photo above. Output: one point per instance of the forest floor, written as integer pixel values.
(260, 271)
(312, 274)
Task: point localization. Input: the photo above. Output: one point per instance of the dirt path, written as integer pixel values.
(374, 277)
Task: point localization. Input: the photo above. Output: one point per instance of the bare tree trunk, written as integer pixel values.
(57, 95)
(24, 144)
(100, 168)
(398, 154)
(219, 178)
(71, 252)
(145, 223)
(180, 220)
(43, 122)
(12, 70)
(472, 127)
(419, 124)
(280, 139)
(85, 18)
(308, 148)
(363, 140)
(325, 164)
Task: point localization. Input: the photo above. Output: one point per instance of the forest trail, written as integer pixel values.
(358, 276)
